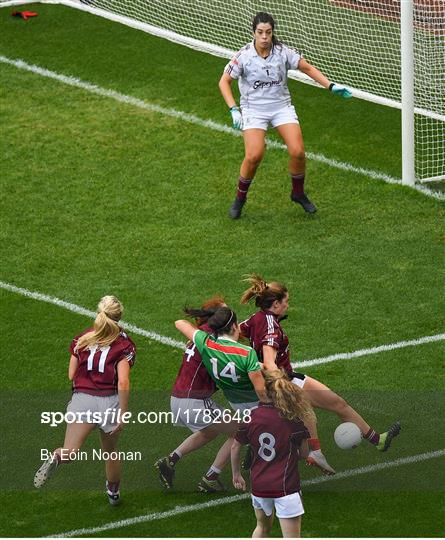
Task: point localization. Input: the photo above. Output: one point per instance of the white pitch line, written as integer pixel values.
(366, 352)
(191, 118)
(377, 467)
(180, 345)
(83, 311)
(235, 498)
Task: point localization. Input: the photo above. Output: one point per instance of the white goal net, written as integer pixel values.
(354, 42)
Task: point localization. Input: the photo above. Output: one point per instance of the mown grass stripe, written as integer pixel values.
(193, 119)
(178, 510)
(180, 345)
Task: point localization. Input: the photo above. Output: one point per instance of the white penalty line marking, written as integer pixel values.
(83, 311)
(180, 345)
(235, 498)
(210, 124)
(366, 352)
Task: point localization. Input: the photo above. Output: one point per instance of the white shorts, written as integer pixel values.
(289, 506)
(244, 406)
(255, 119)
(102, 407)
(196, 414)
(299, 380)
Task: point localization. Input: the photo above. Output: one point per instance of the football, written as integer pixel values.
(347, 436)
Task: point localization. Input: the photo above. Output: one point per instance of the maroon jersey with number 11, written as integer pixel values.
(97, 369)
(275, 442)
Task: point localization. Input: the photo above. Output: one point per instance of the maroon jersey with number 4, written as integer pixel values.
(275, 442)
(263, 328)
(193, 379)
(97, 368)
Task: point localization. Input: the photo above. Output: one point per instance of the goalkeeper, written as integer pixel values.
(261, 70)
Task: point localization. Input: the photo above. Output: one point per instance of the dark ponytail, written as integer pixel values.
(200, 314)
(208, 308)
(220, 319)
(266, 18)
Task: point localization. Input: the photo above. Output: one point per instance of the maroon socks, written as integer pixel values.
(297, 184)
(372, 437)
(174, 457)
(243, 188)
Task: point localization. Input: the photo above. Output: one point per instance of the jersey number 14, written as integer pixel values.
(227, 371)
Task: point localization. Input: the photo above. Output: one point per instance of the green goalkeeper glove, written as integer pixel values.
(340, 90)
(237, 119)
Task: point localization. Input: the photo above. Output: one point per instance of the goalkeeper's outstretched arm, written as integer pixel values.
(314, 73)
(317, 76)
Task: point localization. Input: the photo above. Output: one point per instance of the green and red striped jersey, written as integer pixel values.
(229, 363)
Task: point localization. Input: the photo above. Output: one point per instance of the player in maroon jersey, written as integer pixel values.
(99, 368)
(278, 437)
(192, 405)
(267, 337)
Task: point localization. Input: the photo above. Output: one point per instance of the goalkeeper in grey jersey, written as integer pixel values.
(261, 70)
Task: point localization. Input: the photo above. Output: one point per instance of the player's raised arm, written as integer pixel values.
(186, 328)
(317, 76)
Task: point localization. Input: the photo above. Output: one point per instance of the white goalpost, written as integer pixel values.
(390, 52)
(407, 91)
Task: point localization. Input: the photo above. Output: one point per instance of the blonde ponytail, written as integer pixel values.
(287, 397)
(106, 328)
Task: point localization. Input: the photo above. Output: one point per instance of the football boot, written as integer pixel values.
(307, 205)
(387, 437)
(317, 459)
(236, 208)
(166, 472)
(45, 471)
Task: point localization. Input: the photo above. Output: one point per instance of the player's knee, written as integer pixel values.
(254, 158)
(208, 434)
(340, 405)
(264, 527)
(297, 154)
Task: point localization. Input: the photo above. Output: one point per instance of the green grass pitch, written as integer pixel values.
(102, 197)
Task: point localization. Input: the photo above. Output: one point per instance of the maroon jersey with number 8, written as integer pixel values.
(275, 442)
(97, 369)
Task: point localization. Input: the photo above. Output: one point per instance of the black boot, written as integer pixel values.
(236, 208)
(308, 207)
